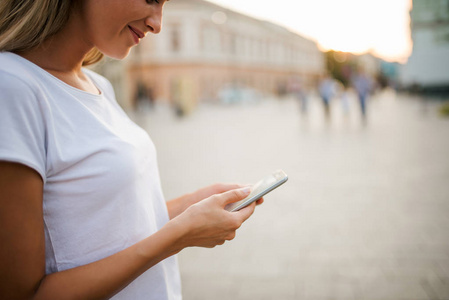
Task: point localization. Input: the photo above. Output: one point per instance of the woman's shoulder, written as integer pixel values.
(10, 61)
(15, 75)
(20, 87)
(14, 85)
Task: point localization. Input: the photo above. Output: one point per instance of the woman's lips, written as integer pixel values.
(137, 34)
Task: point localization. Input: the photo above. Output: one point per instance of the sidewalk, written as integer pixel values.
(364, 215)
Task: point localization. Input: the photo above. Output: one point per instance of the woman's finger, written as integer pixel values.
(224, 187)
(234, 195)
(245, 212)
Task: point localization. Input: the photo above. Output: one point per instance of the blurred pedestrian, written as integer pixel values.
(297, 89)
(144, 98)
(327, 91)
(82, 213)
(344, 96)
(363, 86)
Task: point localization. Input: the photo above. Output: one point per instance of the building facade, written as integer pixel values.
(428, 66)
(206, 53)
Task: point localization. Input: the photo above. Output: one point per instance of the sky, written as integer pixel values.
(377, 26)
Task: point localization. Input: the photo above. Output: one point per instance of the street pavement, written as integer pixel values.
(364, 215)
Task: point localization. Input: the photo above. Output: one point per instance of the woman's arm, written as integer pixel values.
(22, 251)
(22, 254)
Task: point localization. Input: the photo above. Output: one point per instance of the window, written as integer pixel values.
(210, 39)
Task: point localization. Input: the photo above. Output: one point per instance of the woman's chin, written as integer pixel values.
(117, 54)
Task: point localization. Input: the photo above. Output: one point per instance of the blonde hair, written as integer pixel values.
(25, 24)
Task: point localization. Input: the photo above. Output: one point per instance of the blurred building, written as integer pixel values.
(428, 66)
(208, 53)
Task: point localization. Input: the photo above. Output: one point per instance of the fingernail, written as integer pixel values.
(246, 190)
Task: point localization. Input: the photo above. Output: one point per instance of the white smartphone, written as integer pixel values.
(262, 187)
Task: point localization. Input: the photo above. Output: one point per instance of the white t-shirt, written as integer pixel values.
(102, 190)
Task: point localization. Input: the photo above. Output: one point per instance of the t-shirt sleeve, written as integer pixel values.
(22, 128)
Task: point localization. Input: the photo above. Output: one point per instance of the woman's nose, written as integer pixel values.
(154, 22)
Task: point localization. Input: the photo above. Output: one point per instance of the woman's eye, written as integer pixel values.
(152, 1)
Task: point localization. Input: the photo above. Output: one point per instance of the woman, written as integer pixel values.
(82, 214)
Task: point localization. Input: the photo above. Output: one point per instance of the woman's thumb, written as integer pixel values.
(235, 195)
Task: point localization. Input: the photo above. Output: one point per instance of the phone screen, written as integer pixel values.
(258, 190)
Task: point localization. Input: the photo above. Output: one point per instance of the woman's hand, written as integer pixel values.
(208, 224)
(179, 205)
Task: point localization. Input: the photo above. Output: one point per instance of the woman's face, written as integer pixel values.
(114, 26)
